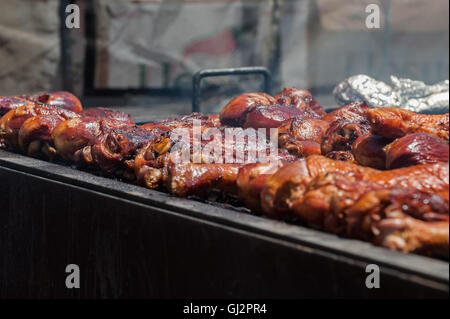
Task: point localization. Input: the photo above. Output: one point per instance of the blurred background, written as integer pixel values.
(141, 55)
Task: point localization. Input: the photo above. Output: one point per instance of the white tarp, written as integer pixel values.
(29, 46)
(162, 43)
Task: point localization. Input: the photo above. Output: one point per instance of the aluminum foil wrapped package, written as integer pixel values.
(413, 95)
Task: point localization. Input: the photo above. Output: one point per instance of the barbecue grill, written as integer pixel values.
(375, 169)
(133, 242)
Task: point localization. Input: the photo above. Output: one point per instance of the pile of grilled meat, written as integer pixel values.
(379, 175)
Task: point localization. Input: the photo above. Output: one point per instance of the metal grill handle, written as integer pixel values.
(199, 76)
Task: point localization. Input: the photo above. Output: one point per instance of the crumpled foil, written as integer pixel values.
(408, 94)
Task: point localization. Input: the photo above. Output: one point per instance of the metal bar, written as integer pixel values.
(275, 54)
(91, 49)
(64, 47)
(387, 39)
(199, 76)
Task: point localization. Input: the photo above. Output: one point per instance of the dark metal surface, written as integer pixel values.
(134, 242)
(199, 76)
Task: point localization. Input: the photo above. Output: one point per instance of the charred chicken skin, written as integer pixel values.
(184, 178)
(35, 136)
(236, 111)
(151, 158)
(63, 100)
(199, 179)
(289, 183)
(395, 123)
(60, 99)
(161, 162)
(186, 121)
(274, 116)
(347, 124)
(107, 113)
(394, 217)
(7, 103)
(260, 110)
(11, 123)
(300, 99)
(343, 156)
(369, 150)
(252, 179)
(73, 138)
(114, 152)
(414, 149)
(302, 137)
(36, 133)
(202, 179)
